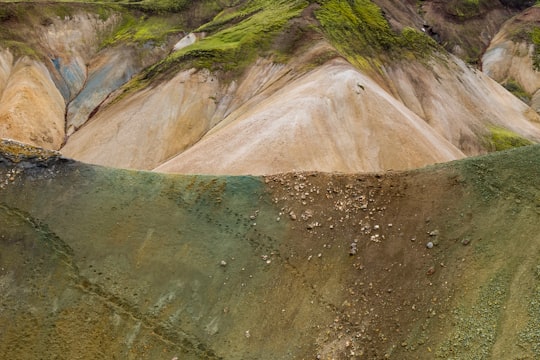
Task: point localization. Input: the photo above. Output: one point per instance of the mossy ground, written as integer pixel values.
(535, 38)
(235, 38)
(362, 34)
(503, 139)
(515, 88)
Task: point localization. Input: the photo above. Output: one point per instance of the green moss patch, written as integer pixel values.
(503, 139)
(463, 9)
(142, 29)
(515, 88)
(235, 39)
(361, 33)
(476, 328)
(535, 38)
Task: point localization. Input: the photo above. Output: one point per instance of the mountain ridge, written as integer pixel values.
(119, 101)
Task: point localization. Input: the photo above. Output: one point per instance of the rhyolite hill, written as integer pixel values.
(263, 87)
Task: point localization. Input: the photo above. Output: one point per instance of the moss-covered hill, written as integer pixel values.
(442, 262)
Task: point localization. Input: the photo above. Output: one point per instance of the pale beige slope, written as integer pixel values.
(509, 58)
(460, 103)
(332, 119)
(149, 127)
(33, 93)
(144, 129)
(31, 107)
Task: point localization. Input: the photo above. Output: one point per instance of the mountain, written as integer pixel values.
(258, 87)
(229, 179)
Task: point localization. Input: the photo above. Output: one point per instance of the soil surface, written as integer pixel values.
(440, 262)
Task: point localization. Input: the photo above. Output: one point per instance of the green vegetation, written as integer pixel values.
(158, 6)
(504, 139)
(143, 29)
(361, 33)
(535, 38)
(515, 88)
(162, 6)
(236, 38)
(246, 29)
(19, 48)
(463, 9)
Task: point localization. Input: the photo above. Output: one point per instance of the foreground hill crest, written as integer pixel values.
(404, 265)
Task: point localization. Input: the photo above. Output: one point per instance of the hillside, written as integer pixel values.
(150, 266)
(255, 87)
(255, 179)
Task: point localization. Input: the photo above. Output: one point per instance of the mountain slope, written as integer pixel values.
(133, 101)
(513, 58)
(149, 265)
(332, 119)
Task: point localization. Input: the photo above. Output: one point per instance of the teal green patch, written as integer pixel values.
(196, 243)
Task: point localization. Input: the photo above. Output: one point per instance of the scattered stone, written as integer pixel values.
(429, 245)
(292, 215)
(223, 263)
(247, 334)
(466, 241)
(434, 233)
(431, 270)
(307, 214)
(353, 250)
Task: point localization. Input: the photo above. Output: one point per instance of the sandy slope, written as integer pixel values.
(459, 102)
(332, 119)
(31, 107)
(150, 126)
(509, 59)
